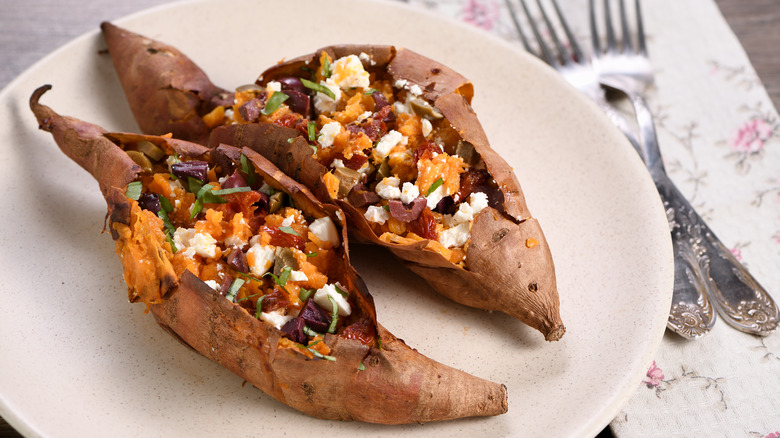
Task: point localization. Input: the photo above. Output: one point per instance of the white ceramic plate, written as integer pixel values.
(78, 360)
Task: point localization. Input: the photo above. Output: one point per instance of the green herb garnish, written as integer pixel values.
(311, 127)
(133, 190)
(274, 103)
(318, 87)
(370, 91)
(386, 207)
(343, 294)
(317, 353)
(281, 280)
(326, 68)
(170, 241)
(246, 298)
(311, 254)
(304, 294)
(309, 332)
(289, 230)
(194, 184)
(233, 289)
(229, 191)
(361, 367)
(334, 315)
(259, 307)
(436, 184)
(249, 170)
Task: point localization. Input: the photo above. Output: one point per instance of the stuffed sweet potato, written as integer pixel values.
(245, 266)
(390, 137)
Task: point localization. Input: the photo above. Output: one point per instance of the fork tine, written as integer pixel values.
(640, 29)
(594, 32)
(611, 43)
(569, 35)
(627, 45)
(516, 21)
(546, 53)
(553, 33)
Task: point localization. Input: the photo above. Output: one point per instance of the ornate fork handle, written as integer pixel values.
(704, 267)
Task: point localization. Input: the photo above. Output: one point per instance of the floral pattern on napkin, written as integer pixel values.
(720, 137)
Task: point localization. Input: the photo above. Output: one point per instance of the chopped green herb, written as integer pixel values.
(370, 91)
(326, 68)
(290, 140)
(233, 290)
(386, 207)
(246, 298)
(311, 127)
(249, 170)
(320, 355)
(310, 332)
(311, 254)
(341, 292)
(170, 241)
(165, 204)
(334, 315)
(249, 277)
(361, 367)
(304, 294)
(309, 71)
(318, 87)
(133, 190)
(194, 184)
(436, 184)
(289, 230)
(281, 280)
(169, 228)
(274, 103)
(313, 148)
(259, 307)
(229, 191)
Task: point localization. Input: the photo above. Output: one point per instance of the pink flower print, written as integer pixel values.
(481, 13)
(751, 136)
(654, 377)
(773, 435)
(737, 253)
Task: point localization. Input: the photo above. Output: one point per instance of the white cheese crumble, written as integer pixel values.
(348, 73)
(478, 201)
(455, 236)
(328, 133)
(436, 196)
(376, 214)
(277, 318)
(322, 102)
(415, 90)
(324, 229)
(192, 242)
(298, 276)
(329, 290)
(273, 86)
(409, 193)
(366, 58)
(401, 83)
(388, 142)
(337, 163)
(427, 128)
(364, 116)
(212, 284)
(289, 220)
(262, 258)
(388, 188)
(233, 240)
(265, 188)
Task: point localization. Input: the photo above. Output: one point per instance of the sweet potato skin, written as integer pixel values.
(166, 91)
(397, 385)
(502, 272)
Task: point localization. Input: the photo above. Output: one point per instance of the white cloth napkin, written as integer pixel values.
(720, 137)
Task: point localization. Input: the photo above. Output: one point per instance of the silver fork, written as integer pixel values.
(704, 267)
(571, 63)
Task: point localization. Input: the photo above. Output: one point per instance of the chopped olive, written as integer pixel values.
(141, 160)
(151, 150)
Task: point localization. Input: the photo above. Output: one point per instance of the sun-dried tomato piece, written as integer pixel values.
(356, 162)
(275, 300)
(425, 225)
(240, 202)
(362, 330)
(470, 180)
(283, 239)
(374, 127)
(426, 150)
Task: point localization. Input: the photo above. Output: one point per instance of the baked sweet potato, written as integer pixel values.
(247, 267)
(390, 136)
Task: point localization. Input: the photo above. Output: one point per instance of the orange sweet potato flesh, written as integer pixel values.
(166, 91)
(502, 272)
(387, 383)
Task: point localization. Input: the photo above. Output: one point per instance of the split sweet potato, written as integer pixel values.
(497, 259)
(332, 365)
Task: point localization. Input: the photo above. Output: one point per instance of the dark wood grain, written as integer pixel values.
(26, 37)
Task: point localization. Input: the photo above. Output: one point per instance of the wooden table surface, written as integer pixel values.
(29, 31)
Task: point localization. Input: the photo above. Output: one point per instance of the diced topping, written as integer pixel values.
(332, 293)
(409, 193)
(348, 72)
(194, 169)
(324, 230)
(316, 317)
(328, 134)
(260, 259)
(388, 188)
(376, 214)
(455, 236)
(387, 143)
(324, 103)
(277, 318)
(193, 242)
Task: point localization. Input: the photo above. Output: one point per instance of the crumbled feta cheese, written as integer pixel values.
(329, 290)
(478, 201)
(376, 214)
(273, 86)
(409, 193)
(434, 198)
(212, 284)
(402, 108)
(229, 115)
(388, 142)
(415, 90)
(324, 229)
(348, 73)
(298, 276)
(455, 236)
(233, 240)
(340, 215)
(172, 159)
(364, 116)
(176, 203)
(192, 242)
(175, 184)
(401, 83)
(427, 128)
(337, 163)
(289, 220)
(277, 318)
(388, 188)
(260, 259)
(464, 214)
(328, 133)
(366, 58)
(322, 102)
